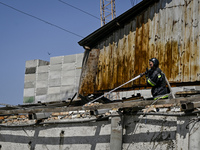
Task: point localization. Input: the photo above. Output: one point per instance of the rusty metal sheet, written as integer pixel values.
(168, 30)
(89, 69)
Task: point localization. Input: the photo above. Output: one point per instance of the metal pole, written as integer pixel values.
(170, 88)
(114, 89)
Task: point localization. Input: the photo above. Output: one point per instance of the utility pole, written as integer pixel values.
(107, 9)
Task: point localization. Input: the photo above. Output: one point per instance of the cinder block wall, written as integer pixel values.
(152, 132)
(31, 78)
(56, 80)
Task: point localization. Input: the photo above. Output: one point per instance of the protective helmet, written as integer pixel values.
(155, 62)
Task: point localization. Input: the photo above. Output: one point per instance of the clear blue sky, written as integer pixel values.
(25, 38)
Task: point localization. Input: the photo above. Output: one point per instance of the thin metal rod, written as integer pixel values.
(114, 89)
(170, 88)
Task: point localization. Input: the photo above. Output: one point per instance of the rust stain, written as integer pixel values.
(153, 33)
(88, 76)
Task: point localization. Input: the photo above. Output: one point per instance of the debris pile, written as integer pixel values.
(61, 112)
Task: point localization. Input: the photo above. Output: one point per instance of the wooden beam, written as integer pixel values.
(192, 92)
(142, 103)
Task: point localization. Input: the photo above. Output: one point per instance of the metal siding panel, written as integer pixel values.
(115, 56)
(145, 45)
(167, 30)
(198, 45)
(133, 48)
(120, 61)
(175, 39)
(186, 63)
(194, 56)
(88, 75)
(110, 68)
(182, 40)
(151, 33)
(100, 71)
(162, 33)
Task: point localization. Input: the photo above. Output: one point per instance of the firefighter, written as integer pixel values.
(155, 78)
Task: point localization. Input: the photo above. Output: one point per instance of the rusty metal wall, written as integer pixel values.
(168, 30)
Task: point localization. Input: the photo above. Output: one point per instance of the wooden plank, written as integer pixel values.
(141, 103)
(188, 92)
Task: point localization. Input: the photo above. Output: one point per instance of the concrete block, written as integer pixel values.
(29, 77)
(55, 74)
(53, 90)
(75, 89)
(43, 63)
(57, 67)
(41, 91)
(42, 69)
(78, 72)
(56, 60)
(79, 60)
(67, 88)
(69, 73)
(105, 146)
(79, 56)
(42, 76)
(29, 92)
(181, 135)
(29, 99)
(54, 82)
(116, 133)
(68, 66)
(69, 59)
(64, 96)
(53, 97)
(32, 63)
(41, 84)
(31, 70)
(197, 87)
(36, 63)
(41, 98)
(145, 93)
(29, 85)
(69, 95)
(68, 81)
(77, 82)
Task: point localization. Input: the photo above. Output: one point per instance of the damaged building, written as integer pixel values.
(61, 114)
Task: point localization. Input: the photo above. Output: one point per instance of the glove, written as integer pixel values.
(141, 74)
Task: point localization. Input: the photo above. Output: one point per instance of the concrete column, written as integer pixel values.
(116, 133)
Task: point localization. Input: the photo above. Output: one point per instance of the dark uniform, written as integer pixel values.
(156, 79)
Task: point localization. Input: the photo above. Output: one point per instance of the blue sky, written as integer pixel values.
(25, 38)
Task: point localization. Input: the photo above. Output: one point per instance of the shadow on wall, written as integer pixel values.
(59, 136)
(153, 133)
(94, 135)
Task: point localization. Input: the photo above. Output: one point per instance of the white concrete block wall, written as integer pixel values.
(74, 136)
(30, 79)
(52, 81)
(149, 132)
